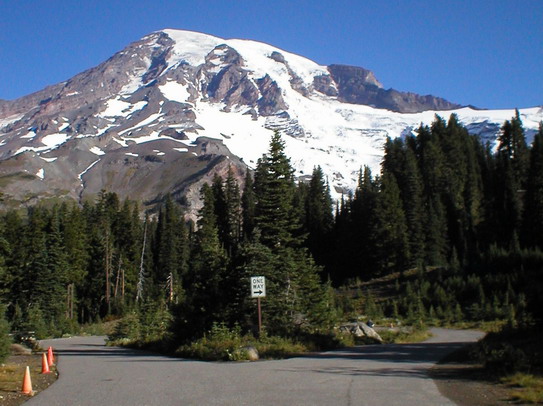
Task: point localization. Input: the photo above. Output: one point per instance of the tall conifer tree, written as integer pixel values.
(248, 205)
(275, 188)
(533, 207)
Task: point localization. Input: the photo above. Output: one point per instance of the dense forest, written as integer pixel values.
(467, 217)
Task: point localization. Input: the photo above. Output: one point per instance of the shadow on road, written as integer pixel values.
(408, 353)
(101, 350)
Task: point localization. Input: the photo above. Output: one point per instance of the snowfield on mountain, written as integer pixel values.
(172, 109)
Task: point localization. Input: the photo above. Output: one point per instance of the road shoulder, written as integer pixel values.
(468, 384)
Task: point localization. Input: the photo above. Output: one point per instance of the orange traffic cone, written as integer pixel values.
(50, 358)
(44, 365)
(27, 383)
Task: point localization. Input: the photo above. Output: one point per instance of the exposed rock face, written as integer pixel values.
(324, 84)
(359, 86)
(271, 101)
(169, 111)
(296, 82)
(231, 84)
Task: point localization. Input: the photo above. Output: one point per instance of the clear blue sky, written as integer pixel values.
(488, 53)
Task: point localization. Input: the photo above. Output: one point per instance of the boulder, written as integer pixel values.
(359, 329)
(248, 353)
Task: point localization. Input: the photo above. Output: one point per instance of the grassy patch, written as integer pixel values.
(483, 325)
(279, 347)
(405, 335)
(11, 378)
(99, 329)
(13, 177)
(224, 344)
(528, 388)
(511, 350)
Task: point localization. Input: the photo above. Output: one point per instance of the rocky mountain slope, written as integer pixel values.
(170, 110)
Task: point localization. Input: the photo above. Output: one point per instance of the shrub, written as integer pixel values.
(224, 344)
(218, 345)
(5, 340)
(127, 329)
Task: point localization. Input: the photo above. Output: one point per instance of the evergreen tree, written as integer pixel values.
(533, 206)
(275, 189)
(410, 183)
(232, 232)
(295, 279)
(248, 205)
(219, 204)
(390, 230)
(319, 220)
(432, 171)
(5, 279)
(5, 339)
(253, 259)
(75, 239)
(512, 145)
(204, 304)
(55, 281)
(33, 283)
(355, 239)
(507, 201)
(171, 249)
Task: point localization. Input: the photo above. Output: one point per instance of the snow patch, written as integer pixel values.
(4, 122)
(121, 142)
(181, 149)
(154, 137)
(191, 47)
(40, 174)
(96, 151)
(54, 140)
(131, 154)
(24, 149)
(80, 176)
(49, 159)
(29, 135)
(120, 108)
(142, 123)
(175, 92)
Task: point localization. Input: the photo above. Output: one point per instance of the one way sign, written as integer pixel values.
(258, 286)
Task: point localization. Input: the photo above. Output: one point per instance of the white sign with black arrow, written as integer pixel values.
(258, 286)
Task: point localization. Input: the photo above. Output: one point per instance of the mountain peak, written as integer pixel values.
(168, 111)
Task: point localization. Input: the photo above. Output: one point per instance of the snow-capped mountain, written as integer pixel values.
(169, 111)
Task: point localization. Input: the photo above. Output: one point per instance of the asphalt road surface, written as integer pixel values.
(92, 374)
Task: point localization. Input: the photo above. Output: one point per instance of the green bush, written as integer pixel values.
(224, 344)
(511, 350)
(126, 330)
(5, 340)
(218, 345)
(146, 327)
(274, 347)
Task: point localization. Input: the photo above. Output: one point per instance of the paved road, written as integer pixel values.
(92, 374)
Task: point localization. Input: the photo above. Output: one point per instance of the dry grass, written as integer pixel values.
(11, 378)
(527, 388)
(405, 336)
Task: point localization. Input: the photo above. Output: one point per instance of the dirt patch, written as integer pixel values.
(470, 385)
(11, 378)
